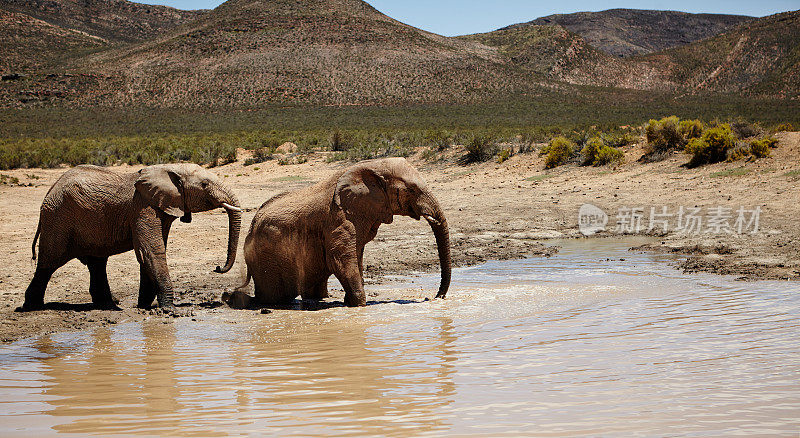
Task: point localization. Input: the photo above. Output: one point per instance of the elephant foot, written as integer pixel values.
(355, 302)
(111, 305)
(30, 307)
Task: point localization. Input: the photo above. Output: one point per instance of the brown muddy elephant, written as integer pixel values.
(92, 213)
(298, 239)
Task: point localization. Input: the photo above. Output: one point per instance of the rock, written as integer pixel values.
(286, 148)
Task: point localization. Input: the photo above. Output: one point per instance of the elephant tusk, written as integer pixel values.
(431, 219)
(230, 207)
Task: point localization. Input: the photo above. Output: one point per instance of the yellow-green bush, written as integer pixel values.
(712, 147)
(690, 129)
(784, 127)
(761, 148)
(591, 150)
(504, 155)
(609, 155)
(662, 138)
(559, 151)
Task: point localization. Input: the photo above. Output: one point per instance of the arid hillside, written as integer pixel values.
(256, 53)
(629, 32)
(112, 20)
(40, 37)
(29, 44)
(314, 51)
(760, 57)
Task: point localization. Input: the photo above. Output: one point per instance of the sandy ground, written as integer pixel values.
(496, 211)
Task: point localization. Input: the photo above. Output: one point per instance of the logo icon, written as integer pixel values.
(591, 219)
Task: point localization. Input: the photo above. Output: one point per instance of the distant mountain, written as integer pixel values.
(629, 32)
(249, 53)
(760, 57)
(31, 44)
(111, 20)
(254, 52)
(551, 51)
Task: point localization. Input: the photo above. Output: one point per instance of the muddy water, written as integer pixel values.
(593, 341)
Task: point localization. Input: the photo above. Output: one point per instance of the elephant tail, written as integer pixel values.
(35, 239)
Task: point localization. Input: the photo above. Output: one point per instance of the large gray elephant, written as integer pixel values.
(92, 213)
(298, 239)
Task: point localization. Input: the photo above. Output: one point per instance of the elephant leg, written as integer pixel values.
(147, 290)
(321, 290)
(348, 273)
(149, 244)
(34, 295)
(98, 283)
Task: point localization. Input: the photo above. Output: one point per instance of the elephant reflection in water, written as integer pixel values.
(114, 387)
(348, 375)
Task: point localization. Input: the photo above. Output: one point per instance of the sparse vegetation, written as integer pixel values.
(260, 155)
(739, 171)
(505, 154)
(48, 137)
(8, 180)
(712, 147)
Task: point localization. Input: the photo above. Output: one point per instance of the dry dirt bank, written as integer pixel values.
(496, 211)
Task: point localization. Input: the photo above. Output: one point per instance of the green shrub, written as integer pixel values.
(609, 155)
(596, 153)
(761, 148)
(504, 155)
(739, 152)
(690, 129)
(787, 127)
(438, 138)
(662, 138)
(480, 148)
(559, 151)
(712, 147)
(591, 150)
(260, 155)
(618, 140)
(340, 141)
(744, 129)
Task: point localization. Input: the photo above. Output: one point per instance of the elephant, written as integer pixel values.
(298, 239)
(92, 213)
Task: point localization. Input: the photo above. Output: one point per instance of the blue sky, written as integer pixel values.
(459, 17)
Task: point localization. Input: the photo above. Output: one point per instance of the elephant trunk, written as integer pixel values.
(234, 226)
(432, 212)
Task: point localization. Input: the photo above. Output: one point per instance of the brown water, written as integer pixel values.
(571, 345)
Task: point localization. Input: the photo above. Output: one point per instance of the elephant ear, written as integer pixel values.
(162, 188)
(361, 191)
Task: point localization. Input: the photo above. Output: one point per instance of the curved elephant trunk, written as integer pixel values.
(234, 226)
(432, 212)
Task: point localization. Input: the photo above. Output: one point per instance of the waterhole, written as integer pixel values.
(595, 340)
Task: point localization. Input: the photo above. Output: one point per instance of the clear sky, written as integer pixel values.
(459, 17)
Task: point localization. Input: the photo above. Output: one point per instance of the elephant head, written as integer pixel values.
(182, 189)
(372, 192)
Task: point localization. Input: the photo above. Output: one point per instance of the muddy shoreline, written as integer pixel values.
(496, 212)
